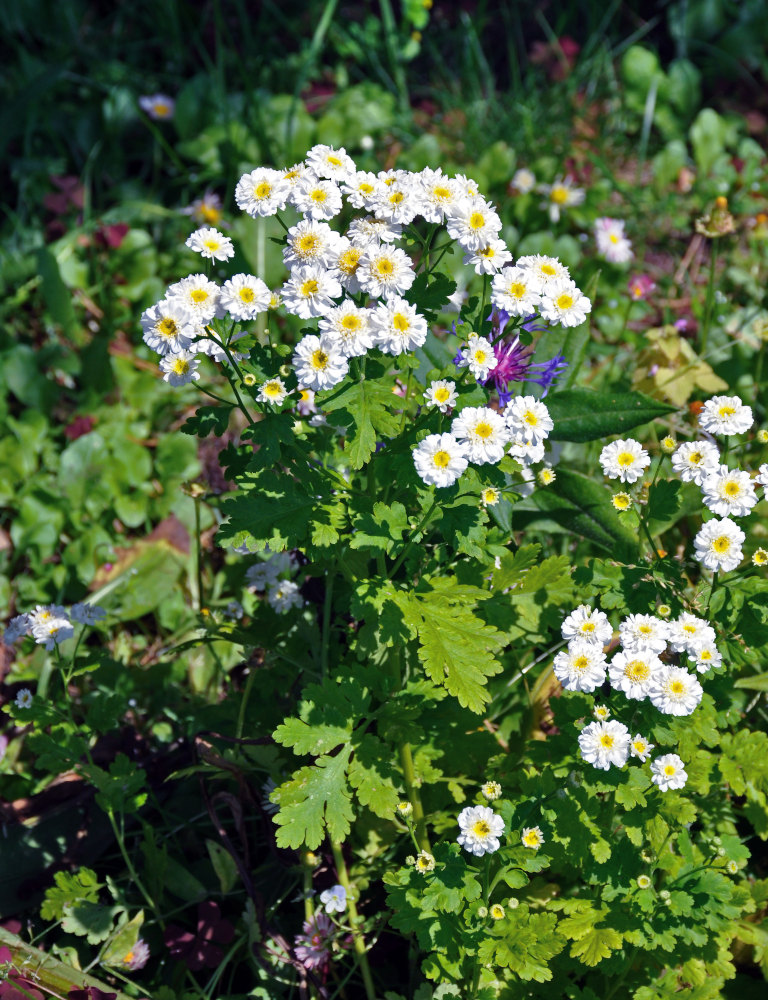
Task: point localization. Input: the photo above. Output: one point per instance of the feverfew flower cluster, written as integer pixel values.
(646, 666)
(51, 624)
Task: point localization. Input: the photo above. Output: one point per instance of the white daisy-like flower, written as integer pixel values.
(50, 625)
(334, 899)
(310, 242)
(603, 744)
(705, 656)
(272, 391)
(345, 262)
(306, 402)
(601, 712)
(440, 459)
(612, 242)
(473, 223)
(624, 459)
(385, 271)
(478, 356)
(180, 368)
(675, 692)
(263, 192)
(310, 291)
(528, 419)
(560, 194)
(158, 107)
(580, 667)
(489, 496)
(199, 294)
(336, 164)
(762, 476)
(523, 180)
(438, 194)
(643, 632)
(442, 394)
(215, 350)
(468, 187)
(398, 201)
(687, 632)
(589, 625)
(526, 453)
(563, 302)
(668, 772)
(480, 830)
(348, 326)
(268, 571)
(729, 492)
(168, 326)
(18, 626)
(491, 790)
(319, 363)
(397, 327)
(87, 614)
(718, 545)
(517, 290)
(532, 837)
(483, 431)
(640, 747)
(294, 174)
(319, 199)
(24, 698)
(361, 190)
(211, 243)
(694, 460)
(725, 415)
(546, 269)
(632, 672)
(488, 259)
(373, 232)
(244, 297)
(284, 595)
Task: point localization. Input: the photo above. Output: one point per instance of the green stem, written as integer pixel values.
(411, 540)
(644, 526)
(710, 301)
(354, 919)
(198, 557)
(711, 592)
(327, 608)
(391, 42)
(414, 797)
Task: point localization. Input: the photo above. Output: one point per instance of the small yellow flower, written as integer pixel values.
(489, 496)
(491, 790)
(532, 837)
(664, 610)
(621, 501)
(424, 863)
(760, 557)
(497, 911)
(546, 477)
(732, 868)
(249, 379)
(643, 882)
(762, 436)
(404, 808)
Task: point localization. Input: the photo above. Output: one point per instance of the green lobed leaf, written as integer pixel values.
(366, 405)
(595, 945)
(587, 415)
(208, 420)
(315, 797)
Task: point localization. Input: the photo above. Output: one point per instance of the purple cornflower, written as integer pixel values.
(514, 359)
(312, 945)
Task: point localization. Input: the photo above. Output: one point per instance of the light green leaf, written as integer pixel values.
(315, 797)
(595, 945)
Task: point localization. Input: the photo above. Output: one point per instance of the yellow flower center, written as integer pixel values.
(690, 629)
(167, 327)
(349, 260)
(199, 295)
(351, 322)
(559, 195)
(308, 243)
(581, 663)
(530, 418)
(309, 287)
(212, 245)
(607, 741)
(548, 269)
(318, 195)
(760, 558)
(442, 193)
(263, 189)
(731, 488)
(401, 322)
(481, 828)
(247, 295)
(637, 671)
(645, 629)
(705, 655)
(480, 356)
(639, 746)
(396, 198)
(588, 627)
(384, 267)
(517, 289)
(625, 458)
(721, 544)
(483, 430)
(726, 411)
(476, 220)
(442, 394)
(677, 687)
(613, 238)
(210, 214)
(621, 501)
(564, 301)
(180, 366)
(365, 188)
(441, 459)
(334, 161)
(272, 389)
(531, 839)
(487, 252)
(319, 359)
(696, 458)
(669, 770)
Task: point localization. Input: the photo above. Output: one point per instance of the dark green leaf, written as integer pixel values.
(586, 415)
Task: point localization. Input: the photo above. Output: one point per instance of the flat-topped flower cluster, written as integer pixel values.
(51, 624)
(353, 282)
(647, 666)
